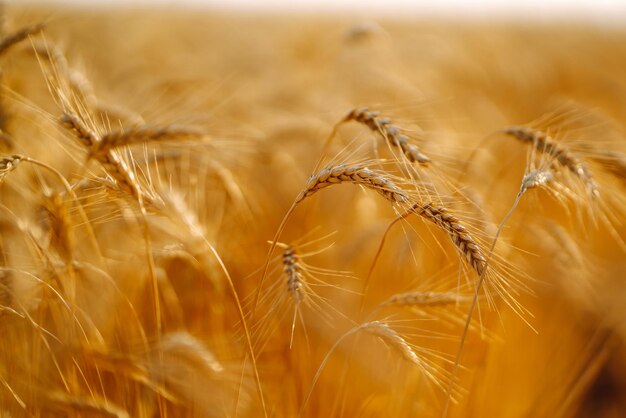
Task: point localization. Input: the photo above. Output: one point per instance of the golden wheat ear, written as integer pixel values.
(144, 134)
(301, 282)
(390, 132)
(545, 144)
(356, 174)
(121, 172)
(382, 126)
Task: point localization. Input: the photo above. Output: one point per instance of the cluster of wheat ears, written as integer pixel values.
(167, 248)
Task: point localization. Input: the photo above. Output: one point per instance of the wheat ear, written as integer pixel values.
(356, 174)
(144, 134)
(382, 330)
(425, 298)
(295, 278)
(388, 131)
(543, 143)
(111, 162)
(458, 233)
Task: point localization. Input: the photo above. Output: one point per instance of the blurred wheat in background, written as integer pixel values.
(211, 214)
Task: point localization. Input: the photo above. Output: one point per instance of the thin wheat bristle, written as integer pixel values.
(459, 234)
(295, 279)
(390, 133)
(543, 143)
(355, 174)
(18, 36)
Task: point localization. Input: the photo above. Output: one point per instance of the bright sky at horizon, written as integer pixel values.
(596, 10)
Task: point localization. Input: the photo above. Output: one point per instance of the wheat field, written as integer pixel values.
(168, 251)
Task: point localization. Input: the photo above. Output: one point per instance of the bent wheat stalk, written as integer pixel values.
(376, 328)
